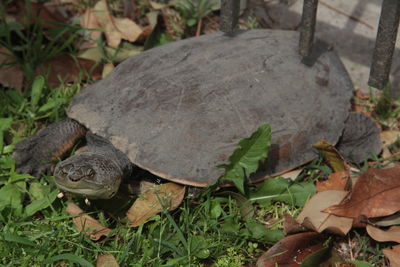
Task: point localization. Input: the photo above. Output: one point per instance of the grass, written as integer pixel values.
(216, 229)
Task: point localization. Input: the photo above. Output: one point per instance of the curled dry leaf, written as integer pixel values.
(291, 250)
(339, 180)
(376, 194)
(392, 234)
(393, 255)
(313, 217)
(87, 224)
(291, 226)
(106, 260)
(331, 155)
(154, 200)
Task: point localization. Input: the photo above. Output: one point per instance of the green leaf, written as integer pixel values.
(284, 190)
(40, 204)
(5, 124)
(361, 263)
(245, 159)
(316, 258)
(68, 257)
(191, 22)
(11, 196)
(37, 88)
(258, 231)
(9, 237)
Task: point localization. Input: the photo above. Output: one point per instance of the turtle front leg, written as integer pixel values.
(36, 154)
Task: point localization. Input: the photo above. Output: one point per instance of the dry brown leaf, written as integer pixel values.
(88, 21)
(10, 76)
(376, 194)
(148, 204)
(107, 68)
(331, 156)
(389, 137)
(65, 69)
(29, 14)
(291, 226)
(393, 255)
(291, 250)
(292, 175)
(85, 223)
(313, 218)
(116, 29)
(336, 181)
(106, 260)
(392, 234)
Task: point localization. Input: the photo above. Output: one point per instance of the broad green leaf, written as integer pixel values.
(361, 263)
(40, 204)
(316, 258)
(9, 237)
(198, 246)
(37, 88)
(258, 231)
(5, 124)
(11, 196)
(284, 190)
(245, 159)
(68, 257)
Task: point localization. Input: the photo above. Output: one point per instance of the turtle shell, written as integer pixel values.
(179, 110)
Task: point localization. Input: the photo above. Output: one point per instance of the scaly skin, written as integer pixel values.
(95, 174)
(36, 154)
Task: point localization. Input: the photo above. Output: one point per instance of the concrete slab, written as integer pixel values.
(350, 26)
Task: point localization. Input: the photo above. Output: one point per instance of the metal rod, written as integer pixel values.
(384, 44)
(307, 28)
(229, 15)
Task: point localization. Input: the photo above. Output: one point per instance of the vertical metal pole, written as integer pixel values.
(307, 28)
(229, 15)
(384, 44)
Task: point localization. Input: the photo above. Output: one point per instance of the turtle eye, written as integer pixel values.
(90, 173)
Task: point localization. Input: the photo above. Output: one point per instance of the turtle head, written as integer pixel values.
(88, 175)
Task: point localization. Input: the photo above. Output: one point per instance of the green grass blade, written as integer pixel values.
(68, 257)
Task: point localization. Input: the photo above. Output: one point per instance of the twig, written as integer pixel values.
(347, 15)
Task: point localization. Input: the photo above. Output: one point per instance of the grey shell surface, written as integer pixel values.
(179, 110)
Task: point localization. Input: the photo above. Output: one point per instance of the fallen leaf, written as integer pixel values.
(376, 194)
(389, 137)
(331, 156)
(313, 217)
(156, 5)
(291, 250)
(336, 181)
(391, 234)
(64, 69)
(116, 29)
(107, 68)
(89, 21)
(10, 76)
(292, 175)
(386, 221)
(87, 224)
(106, 260)
(154, 200)
(291, 226)
(393, 255)
(28, 14)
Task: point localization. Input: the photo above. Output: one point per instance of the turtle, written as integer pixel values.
(179, 110)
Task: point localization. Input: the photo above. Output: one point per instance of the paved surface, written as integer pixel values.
(350, 26)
